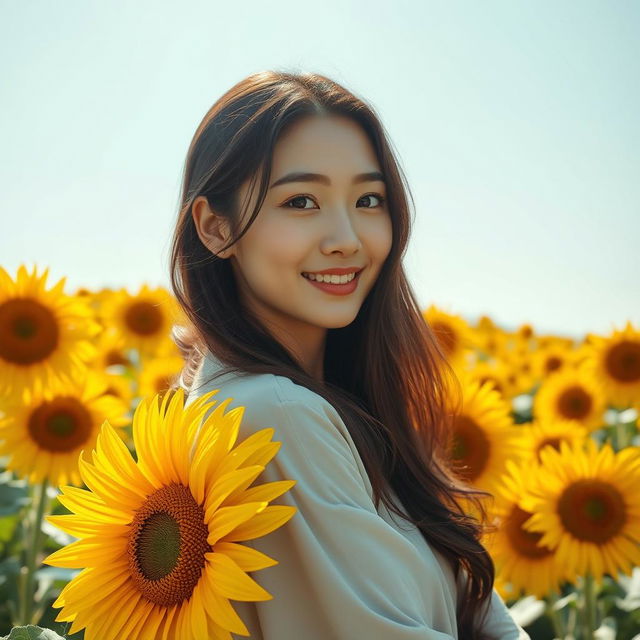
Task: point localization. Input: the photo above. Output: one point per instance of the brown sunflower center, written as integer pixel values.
(447, 337)
(162, 383)
(623, 361)
(60, 425)
(592, 510)
(552, 363)
(491, 379)
(167, 545)
(28, 331)
(526, 331)
(115, 356)
(524, 542)
(554, 442)
(470, 448)
(143, 318)
(575, 403)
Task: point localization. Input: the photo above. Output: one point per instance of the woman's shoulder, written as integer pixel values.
(273, 401)
(259, 393)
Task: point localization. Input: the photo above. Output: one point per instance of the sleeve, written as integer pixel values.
(343, 572)
(498, 623)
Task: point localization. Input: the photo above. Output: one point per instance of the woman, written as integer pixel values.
(342, 366)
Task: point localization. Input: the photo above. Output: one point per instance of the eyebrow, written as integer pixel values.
(305, 176)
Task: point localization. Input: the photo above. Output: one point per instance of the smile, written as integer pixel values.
(336, 288)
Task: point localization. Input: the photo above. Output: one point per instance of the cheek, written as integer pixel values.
(379, 238)
(277, 247)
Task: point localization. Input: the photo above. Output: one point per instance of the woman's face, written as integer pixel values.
(310, 225)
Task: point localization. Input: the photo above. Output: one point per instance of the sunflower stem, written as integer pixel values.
(621, 433)
(589, 593)
(26, 604)
(555, 615)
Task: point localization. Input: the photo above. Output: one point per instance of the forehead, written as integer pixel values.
(329, 144)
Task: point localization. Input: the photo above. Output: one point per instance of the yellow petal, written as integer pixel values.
(226, 519)
(230, 581)
(262, 523)
(220, 609)
(85, 553)
(247, 558)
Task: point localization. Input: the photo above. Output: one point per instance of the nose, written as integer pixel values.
(340, 234)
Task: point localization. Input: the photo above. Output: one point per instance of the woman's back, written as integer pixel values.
(345, 569)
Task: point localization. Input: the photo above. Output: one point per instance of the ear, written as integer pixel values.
(213, 229)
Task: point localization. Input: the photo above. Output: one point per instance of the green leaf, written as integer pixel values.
(13, 496)
(31, 632)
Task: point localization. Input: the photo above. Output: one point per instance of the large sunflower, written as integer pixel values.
(615, 361)
(44, 334)
(484, 436)
(571, 394)
(522, 563)
(585, 503)
(43, 432)
(160, 540)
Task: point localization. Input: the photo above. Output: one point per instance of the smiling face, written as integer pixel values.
(312, 225)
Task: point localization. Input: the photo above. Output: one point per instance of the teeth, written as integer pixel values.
(333, 279)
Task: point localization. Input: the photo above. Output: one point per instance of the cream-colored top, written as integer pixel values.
(345, 571)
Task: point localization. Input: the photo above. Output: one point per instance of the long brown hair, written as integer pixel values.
(385, 373)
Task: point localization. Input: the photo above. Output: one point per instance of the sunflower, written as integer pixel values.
(571, 394)
(483, 436)
(159, 374)
(144, 319)
(44, 333)
(585, 503)
(454, 335)
(544, 433)
(554, 357)
(521, 377)
(112, 352)
(160, 548)
(44, 431)
(615, 360)
(494, 372)
(521, 561)
(489, 338)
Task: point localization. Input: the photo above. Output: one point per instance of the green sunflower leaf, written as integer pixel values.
(31, 632)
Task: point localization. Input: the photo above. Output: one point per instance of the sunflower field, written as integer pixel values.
(107, 471)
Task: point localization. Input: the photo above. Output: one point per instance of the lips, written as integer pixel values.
(336, 271)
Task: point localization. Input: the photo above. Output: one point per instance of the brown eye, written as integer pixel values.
(298, 198)
(381, 199)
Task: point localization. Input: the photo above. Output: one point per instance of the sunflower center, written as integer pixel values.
(623, 361)
(167, 545)
(28, 331)
(60, 425)
(524, 542)
(158, 545)
(575, 403)
(592, 510)
(470, 447)
(554, 442)
(446, 336)
(143, 318)
(526, 331)
(552, 363)
(115, 356)
(162, 383)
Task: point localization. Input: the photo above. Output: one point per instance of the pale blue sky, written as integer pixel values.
(517, 124)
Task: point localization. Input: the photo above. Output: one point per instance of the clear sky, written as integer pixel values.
(517, 124)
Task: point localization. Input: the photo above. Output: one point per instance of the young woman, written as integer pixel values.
(342, 366)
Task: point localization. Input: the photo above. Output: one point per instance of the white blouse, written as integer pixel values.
(345, 571)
